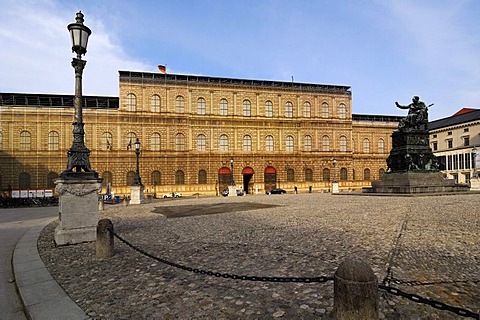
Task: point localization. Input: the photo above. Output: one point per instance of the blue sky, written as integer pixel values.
(386, 50)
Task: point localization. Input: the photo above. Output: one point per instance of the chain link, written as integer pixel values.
(319, 279)
(435, 304)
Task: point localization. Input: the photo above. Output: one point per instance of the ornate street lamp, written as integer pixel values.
(334, 161)
(78, 155)
(231, 166)
(138, 180)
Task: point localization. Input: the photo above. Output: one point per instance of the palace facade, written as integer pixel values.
(198, 134)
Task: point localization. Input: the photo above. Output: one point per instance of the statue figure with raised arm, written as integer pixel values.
(417, 115)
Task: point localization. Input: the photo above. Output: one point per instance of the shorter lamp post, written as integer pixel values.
(138, 180)
(334, 170)
(231, 166)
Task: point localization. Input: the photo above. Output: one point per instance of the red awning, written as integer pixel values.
(248, 170)
(270, 170)
(224, 170)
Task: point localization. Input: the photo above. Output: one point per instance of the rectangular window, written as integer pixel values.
(449, 144)
(449, 133)
(455, 162)
(435, 146)
(461, 162)
(434, 136)
(467, 160)
(466, 129)
(466, 141)
(449, 162)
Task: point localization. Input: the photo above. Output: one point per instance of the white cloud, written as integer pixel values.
(36, 51)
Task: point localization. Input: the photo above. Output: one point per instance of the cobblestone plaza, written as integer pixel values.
(425, 245)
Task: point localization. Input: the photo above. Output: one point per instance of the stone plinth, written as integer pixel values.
(78, 210)
(136, 194)
(414, 182)
(475, 183)
(335, 187)
(232, 191)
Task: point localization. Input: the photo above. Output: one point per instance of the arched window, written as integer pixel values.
(131, 138)
(289, 110)
(342, 111)
(201, 106)
(131, 102)
(343, 174)
(268, 109)
(201, 142)
(155, 103)
(343, 143)
(156, 178)
(106, 142)
(307, 143)
(308, 174)
(25, 141)
(381, 146)
(325, 143)
(325, 110)
(179, 142)
(53, 142)
(180, 104)
(247, 108)
(179, 177)
(381, 172)
(290, 175)
(223, 142)
(155, 141)
(366, 146)
(269, 143)
(366, 174)
(307, 110)
(289, 144)
(202, 176)
(326, 174)
(223, 107)
(24, 181)
(247, 143)
(107, 179)
(51, 176)
(130, 178)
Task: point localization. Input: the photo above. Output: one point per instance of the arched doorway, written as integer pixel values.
(247, 174)
(224, 178)
(270, 178)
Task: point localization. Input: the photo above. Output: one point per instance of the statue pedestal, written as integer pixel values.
(475, 183)
(136, 194)
(414, 182)
(232, 191)
(335, 187)
(78, 210)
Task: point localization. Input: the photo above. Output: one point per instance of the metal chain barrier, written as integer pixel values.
(435, 304)
(321, 279)
(227, 275)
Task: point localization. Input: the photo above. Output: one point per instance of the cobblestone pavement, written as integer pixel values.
(429, 246)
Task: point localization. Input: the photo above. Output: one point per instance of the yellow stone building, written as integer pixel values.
(194, 132)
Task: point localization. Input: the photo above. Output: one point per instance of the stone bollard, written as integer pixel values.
(125, 202)
(100, 205)
(355, 293)
(104, 244)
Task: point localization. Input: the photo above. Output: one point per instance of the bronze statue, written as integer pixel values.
(417, 115)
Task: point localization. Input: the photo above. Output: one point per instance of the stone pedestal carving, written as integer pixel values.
(78, 210)
(136, 194)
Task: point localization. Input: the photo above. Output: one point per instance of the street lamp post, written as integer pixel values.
(335, 183)
(231, 166)
(138, 180)
(79, 154)
(334, 170)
